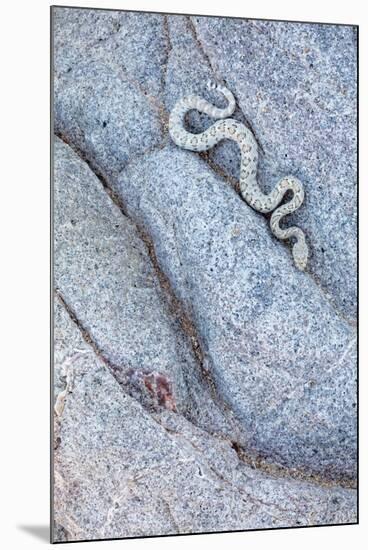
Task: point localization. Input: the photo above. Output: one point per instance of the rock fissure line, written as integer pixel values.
(84, 332)
(174, 307)
(192, 27)
(112, 368)
(252, 460)
(95, 169)
(173, 304)
(230, 179)
(277, 470)
(168, 49)
(256, 462)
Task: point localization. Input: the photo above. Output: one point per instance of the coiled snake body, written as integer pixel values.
(228, 128)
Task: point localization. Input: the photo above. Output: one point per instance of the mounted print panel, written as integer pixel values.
(204, 272)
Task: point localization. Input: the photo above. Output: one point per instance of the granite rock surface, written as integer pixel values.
(104, 65)
(105, 277)
(201, 382)
(128, 473)
(297, 86)
(267, 330)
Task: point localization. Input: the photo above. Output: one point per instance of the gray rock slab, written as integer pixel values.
(150, 439)
(188, 71)
(100, 100)
(296, 86)
(281, 356)
(69, 347)
(104, 274)
(187, 67)
(120, 472)
(133, 42)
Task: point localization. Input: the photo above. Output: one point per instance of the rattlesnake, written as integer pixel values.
(250, 190)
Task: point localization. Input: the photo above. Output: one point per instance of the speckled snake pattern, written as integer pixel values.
(228, 128)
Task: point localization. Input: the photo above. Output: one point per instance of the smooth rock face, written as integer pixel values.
(100, 98)
(99, 113)
(121, 472)
(201, 382)
(267, 330)
(105, 276)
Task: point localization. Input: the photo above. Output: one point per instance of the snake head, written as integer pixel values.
(300, 254)
(211, 85)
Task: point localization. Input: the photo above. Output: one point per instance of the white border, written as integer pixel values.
(24, 272)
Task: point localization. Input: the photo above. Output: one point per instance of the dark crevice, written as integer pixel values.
(250, 459)
(131, 381)
(218, 77)
(173, 304)
(194, 33)
(95, 169)
(166, 30)
(85, 333)
(257, 462)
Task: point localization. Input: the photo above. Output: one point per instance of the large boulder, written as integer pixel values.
(282, 358)
(297, 87)
(121, 472)
(201, 382)
(101, 100)
(107, 280)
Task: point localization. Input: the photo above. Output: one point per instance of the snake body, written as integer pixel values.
(228, 128)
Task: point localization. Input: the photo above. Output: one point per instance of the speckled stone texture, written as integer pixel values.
(296, 84)
(201, 383)
(126, 472)
(105, 278)
(267, 330)
(102, 60)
